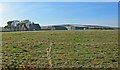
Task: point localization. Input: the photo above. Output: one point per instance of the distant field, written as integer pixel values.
(61, 49)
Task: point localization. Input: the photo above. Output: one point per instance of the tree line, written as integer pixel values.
(24, 25)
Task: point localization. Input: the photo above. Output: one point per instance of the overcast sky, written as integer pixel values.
(48, 13)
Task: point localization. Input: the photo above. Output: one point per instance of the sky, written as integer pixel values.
(50, 13)
(59, 0)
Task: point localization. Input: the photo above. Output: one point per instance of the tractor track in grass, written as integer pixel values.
(49, 55)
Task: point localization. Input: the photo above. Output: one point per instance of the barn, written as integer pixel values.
(34, 27)
(76, 27)
(57, 27)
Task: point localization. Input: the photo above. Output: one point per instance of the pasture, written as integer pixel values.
(60, 49)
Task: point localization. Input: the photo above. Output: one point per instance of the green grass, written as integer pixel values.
(86, 49)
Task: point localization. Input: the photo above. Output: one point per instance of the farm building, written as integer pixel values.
(45, 28)
(76, 27)
(56, 27)
(65, 27)
(69, 27)
(34, 27)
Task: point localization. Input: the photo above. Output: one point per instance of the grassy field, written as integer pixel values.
(60, 49)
